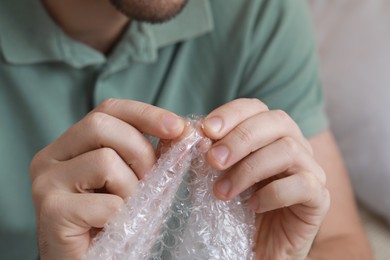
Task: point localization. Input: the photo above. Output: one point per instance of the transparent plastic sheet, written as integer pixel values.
(174, 213)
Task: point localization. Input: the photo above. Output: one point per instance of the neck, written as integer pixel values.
(93, 22)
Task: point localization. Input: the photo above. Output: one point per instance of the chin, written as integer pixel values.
(152, 11)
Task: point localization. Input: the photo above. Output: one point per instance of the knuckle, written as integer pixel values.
(277, 194)
(145, 151)
(115, 204)
(321, 199)
(108, 104)
(95, 120)
(107, 155)
(37, 188)
(291, 147)
(244, 134)
(326, 199)
(286, 120)
(282, 115)
(253, 102)
(259, 104)
(43, 184)
(309, 147)
(108, 160)
(36, 165)
(247, 168)
(322, 175)
(310, 184)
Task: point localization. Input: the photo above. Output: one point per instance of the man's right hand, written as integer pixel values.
(82, 178)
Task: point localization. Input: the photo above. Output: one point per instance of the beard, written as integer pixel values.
(152, 11)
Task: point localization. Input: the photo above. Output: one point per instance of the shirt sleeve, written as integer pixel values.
(281, 68)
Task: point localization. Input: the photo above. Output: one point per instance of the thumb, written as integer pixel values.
(66, 223)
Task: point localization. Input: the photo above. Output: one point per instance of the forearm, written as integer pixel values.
(342, 247)
(341, 235)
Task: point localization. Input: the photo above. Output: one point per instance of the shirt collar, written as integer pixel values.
(28, 35)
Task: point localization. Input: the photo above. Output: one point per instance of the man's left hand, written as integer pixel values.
(265, 148)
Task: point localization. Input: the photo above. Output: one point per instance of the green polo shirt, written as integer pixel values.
(213, 52)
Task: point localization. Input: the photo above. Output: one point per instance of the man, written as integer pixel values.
(64, 63)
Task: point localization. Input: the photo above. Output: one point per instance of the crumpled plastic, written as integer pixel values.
(174, 213)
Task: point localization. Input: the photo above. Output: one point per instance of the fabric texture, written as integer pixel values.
(213, 52)
(354, 38)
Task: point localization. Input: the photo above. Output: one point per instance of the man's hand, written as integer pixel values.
(81, 179)
(266, 148)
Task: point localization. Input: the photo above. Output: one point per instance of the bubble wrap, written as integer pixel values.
(175, 215)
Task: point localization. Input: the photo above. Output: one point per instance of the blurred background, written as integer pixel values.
(353, 38)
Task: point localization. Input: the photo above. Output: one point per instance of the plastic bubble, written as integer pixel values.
(174, 213)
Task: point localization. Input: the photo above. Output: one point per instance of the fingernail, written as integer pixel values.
(214, 124)
(220, 153)
(223, 187)
(171, 122)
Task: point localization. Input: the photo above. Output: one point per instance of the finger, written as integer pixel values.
(146, 118)
(98, 169)
(101, 130)
(66, 219)
(223, 119)
(251, 135)
(282, 156)
(78, 212)
(302, 188)
(91, 210)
